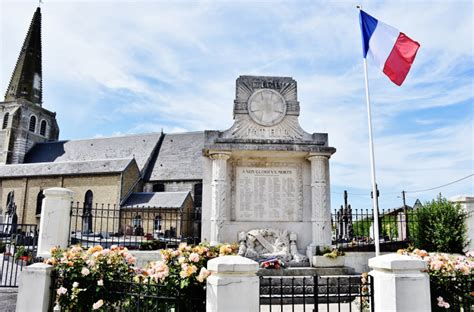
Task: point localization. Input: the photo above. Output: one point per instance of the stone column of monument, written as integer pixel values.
(320, 203)
(218, 194)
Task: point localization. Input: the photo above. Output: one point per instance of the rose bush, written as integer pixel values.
(84, 277)
(450, 277)
(99, 279)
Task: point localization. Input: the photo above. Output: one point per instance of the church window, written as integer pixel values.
(5, 120)
(10, 199)
(32, 126)
(39, 202)
(43, 127)
(157, 224)
(137, 221)
(198, 195)
(159, 187)
(87, 212)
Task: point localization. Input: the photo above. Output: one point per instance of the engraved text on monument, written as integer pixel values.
(268, 194)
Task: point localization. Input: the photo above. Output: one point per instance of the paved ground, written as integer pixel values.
(8, 299)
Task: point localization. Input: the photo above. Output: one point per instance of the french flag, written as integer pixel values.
(391, 50)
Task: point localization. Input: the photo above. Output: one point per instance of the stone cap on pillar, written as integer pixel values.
(396, 262)
(232, 264)
(58, 192)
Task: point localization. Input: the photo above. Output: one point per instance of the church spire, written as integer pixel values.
(26, 80)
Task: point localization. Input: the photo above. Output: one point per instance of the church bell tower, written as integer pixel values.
(23, 120)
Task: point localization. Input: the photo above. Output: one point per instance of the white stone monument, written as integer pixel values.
(266, 171)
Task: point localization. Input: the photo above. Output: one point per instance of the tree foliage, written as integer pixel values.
(441, 226)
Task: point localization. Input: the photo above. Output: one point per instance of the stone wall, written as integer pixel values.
(106, 190)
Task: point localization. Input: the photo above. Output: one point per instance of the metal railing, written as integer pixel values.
(18, 246)
(141, 227)
(135, 296)
(316, 293)
(457, 291)
(354, 231)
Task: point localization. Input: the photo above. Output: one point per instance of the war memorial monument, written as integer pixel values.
(265, 180)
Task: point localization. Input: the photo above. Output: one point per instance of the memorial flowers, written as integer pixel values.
(273, 263)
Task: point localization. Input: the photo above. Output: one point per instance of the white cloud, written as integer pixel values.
(142, 66)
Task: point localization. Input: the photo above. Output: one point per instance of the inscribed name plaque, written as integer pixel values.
(268, 194)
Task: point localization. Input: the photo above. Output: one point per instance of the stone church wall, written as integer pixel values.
(129, 180)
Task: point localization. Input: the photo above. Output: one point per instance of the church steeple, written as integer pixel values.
(26, 80)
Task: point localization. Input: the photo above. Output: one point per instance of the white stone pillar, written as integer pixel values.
(320, 203)
(34, 292)
(218, 193)
(399, 284)
(233, 285)
(55, 220)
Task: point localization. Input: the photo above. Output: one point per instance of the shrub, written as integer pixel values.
(3, 247)
(441, 226)
(451, 277)
(106, 279)
(84, 277)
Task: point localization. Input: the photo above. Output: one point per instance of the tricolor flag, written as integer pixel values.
(390, 50)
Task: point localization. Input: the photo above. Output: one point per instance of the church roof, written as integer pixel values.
(156, 200)
(26, 80)
(140, 147)
(180, 157)
(66, 168)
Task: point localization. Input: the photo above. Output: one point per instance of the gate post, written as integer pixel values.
(55, 220)
(35, 288)
(400, 283)
(233, 285)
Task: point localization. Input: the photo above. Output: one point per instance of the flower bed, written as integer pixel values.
(451, 279)
(104, 279)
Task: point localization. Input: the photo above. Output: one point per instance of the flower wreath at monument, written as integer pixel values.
(273, 263)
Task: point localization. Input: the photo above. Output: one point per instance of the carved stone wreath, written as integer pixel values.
(267, 107)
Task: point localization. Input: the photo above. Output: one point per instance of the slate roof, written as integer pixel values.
(180, 157)
(156, 200)
(65, 168)
(139, 147)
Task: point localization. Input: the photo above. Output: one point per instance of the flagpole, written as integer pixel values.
(375, 205)
(372, 166)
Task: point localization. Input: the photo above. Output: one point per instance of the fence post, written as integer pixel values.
(400, 283)
(55, 220)
(233, 285)
(35, 288)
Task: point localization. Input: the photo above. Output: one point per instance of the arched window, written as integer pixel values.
(159, 187)
(5, 120)
(32, 126)
(10, 199)
(87, 212)
(157, 224)
(39, 202)
(43, 127)
(137, 225)
(198, 195)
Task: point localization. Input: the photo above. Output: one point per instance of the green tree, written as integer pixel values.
(441, 226)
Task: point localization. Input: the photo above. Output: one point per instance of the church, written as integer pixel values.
(115, 170)
(264, 171)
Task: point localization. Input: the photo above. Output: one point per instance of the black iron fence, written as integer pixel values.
(141, 227)
(452, 293)
(317, 293)
(133, 296)
(354, 230)
(18, 246)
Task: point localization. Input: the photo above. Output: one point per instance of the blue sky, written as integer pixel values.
(117, 67)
